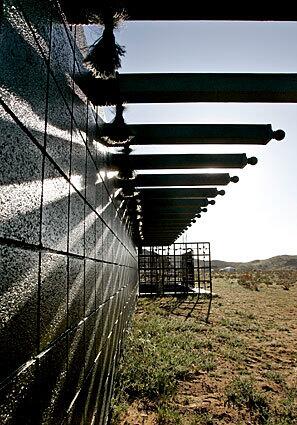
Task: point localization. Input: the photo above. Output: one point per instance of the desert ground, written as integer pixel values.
(239, 368)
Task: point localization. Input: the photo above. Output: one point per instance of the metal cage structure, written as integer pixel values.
(179, 269)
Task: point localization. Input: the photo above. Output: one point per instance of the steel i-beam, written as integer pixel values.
(160, 134)
(210, 87)
(174, 193)
(182, 161)
(206, 179)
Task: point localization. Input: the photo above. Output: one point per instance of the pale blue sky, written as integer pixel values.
(257, 216)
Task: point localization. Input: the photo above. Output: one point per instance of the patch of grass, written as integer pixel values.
(202, 343)
(232, 353)
(245, 314)
(166, 415)
(286, 413)
(289, 406)
(202, 419)
(241, 393)
(274, 376)
(207, 364)
(157, 356)
(119, 407)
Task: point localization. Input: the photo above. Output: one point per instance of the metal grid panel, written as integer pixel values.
(179, 269)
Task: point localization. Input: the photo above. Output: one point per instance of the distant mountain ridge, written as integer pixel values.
(278, 262)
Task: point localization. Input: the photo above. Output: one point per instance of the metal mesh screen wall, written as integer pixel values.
(68, 266)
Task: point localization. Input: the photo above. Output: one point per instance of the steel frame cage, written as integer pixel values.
(179, 269)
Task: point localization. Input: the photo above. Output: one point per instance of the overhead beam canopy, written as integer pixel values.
(180, 161)
(174, 193)
(166, 10)
(161, 134)
(206, 179)
(172, 88)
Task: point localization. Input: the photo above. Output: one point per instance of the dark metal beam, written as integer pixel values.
(162, 234)
(169, 223)
(163, 229)
(171, 210)
(163, 204)
(158, 242)
(170, 88)
(166, 224)
(154, 230)
(160, 134)
(79, 13)
(171, 230)
(165, 213)
(185, 193)
(180, 161)
(207, 179)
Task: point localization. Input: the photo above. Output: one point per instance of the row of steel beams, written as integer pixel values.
(166, 212)
(161, 220)
(146, 88)
(161, 214)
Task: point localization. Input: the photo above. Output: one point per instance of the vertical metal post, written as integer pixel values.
(139, 265)
(198, 259)
(163, 270)
(174, 269)
(150, 263)
(210, 284)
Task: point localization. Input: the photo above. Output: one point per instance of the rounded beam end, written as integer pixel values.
(279, 135)
(234, 179)
(221, 192)
(204, 209)
(198, 215)
(212, 202)
(252, 161)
